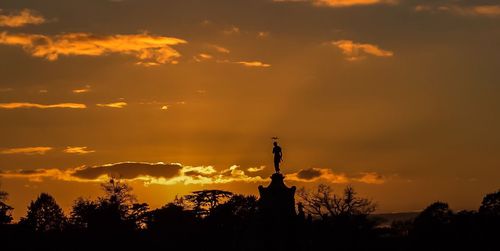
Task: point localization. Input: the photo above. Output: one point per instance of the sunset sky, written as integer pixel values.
(399, 98)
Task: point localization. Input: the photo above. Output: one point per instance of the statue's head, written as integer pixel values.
(275, 143)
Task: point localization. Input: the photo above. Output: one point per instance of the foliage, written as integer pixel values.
(44, 215)
(324, 203)
(204, 201)
(115, 210)
(491, 205)
(5, 210)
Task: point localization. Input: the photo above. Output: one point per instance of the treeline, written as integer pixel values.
(221, 220)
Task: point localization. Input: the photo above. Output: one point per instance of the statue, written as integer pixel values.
(278, 156)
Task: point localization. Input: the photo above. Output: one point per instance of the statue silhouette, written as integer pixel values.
(278, 156)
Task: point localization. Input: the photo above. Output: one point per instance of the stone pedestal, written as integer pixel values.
(278, 229)
(277, 200)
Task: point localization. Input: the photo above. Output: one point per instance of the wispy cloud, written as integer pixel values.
(460, 9)
(84, 89)
(231, 30)
(113, 105)
(21, 18)
(220, 49)
(325, 174)
(341, 3)
(41, 106)
(148, 49)
(78, 150)
(202, 57)
(356, 51)
(253, 64)
(40, 150)
(256, 169)
(370, 178)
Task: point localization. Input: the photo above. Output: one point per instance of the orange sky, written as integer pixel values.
(398, 98)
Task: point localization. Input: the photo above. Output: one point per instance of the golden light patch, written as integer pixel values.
(148, 49)
(27, 150)
(356, 51)
(21, 18)
(41, 106)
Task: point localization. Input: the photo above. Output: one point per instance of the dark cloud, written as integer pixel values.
(29, 172)
(130, 170)
(309, 174)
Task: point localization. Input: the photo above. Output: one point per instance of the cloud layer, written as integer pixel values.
(149, 173)
(327, 175)
(341, 3)
(41, 106)
(113, 105)
(460, 9)
(27, 150)
(174, 173)
(148, 49)
(78, 150)
(21, 18)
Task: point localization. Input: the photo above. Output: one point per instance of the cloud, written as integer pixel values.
(78, 150)
(113, 105)
(40, 106)
(371, 178)
(202, 57)
(175, 173)
(148, 49)
(38, 175)
(231, 30)
(82, 90)
(40, 150)
(309, 174)
(256, 169)
(325, 174)
(461, 10)
(149, 173)
(220, 49)
(252, 64)
(21, 18)
(315, 174)
(129, 170)
(341, 3)
(356, 51)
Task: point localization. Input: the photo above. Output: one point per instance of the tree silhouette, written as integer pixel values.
(118, 193)
(324, 203)
(44, 215)
(204, 201)
(237, 209)
(433, 223)
(83, 213)
(137, 215)
(171, 219)
(489, 216)
(490, 205)
(5, 210)
(115, 210)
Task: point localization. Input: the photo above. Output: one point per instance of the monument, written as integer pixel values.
(277, 201)
(277, 210)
